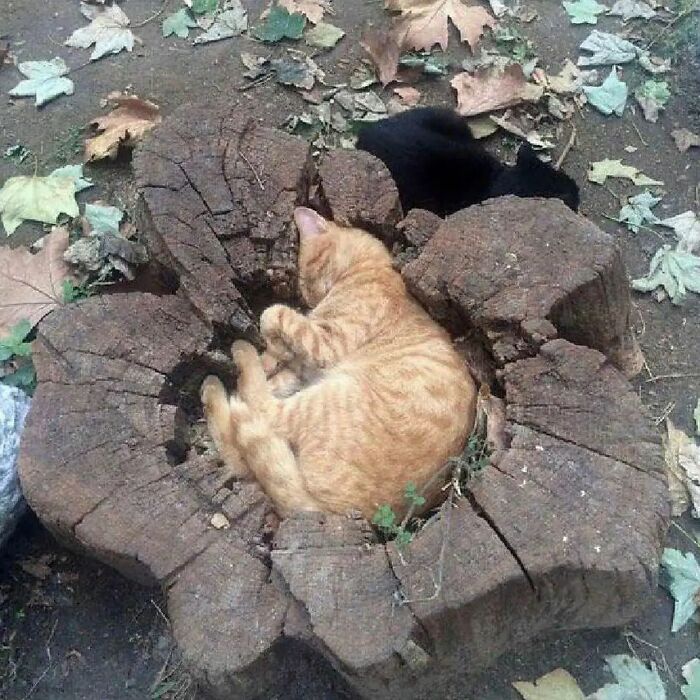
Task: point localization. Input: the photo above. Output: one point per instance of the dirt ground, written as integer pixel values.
(75, 629)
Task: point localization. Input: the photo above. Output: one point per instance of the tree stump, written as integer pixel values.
(564, 532)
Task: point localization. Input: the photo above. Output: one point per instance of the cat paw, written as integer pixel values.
(269, 363)
(243, 352)
(271, 320)
(212, 391)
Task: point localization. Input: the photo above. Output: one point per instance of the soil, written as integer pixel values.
(75, 629)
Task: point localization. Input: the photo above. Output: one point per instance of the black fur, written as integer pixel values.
(438, 165)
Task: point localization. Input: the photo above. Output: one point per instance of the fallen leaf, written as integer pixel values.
(423, 23)
(488, 90)
(232, 21)
(682, 457)
(201, 7)
(584, 11)
(555, 685)
(568, 81)
(482, 126)
(531, 136)
(632, 9)
(634, 681)
(429, 63)
(691, 673)
(685, 139)
(652, 96)
(607, 50)
(311, 9)
(103, 218)
(279, 24)
(408, 95)
(686, 226)
(219, 521)
(46, 80)
(653, 64)
(696, 417)
(638, 211)
(674, 271)
(124, 125)
(108, 31)
(179, 23)
(610, 97)
(76, 173)
(384, 52)
(256, 65)
(683, 582)
(30, 285)
(36, 198)
(300, 71)
(601, 170)
(102, 254)
(675, 475)
(324, 35)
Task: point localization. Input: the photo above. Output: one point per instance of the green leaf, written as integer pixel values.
(584, 11)
(607, 50)
(403, 538)
(13, 345)
(634, 681)
(610, 97)
(652, 97)
(324, 35)
(103, 218)
(75, 172)
(24, 377)
(200, 7)
(691, 673)
(638, 211)
(37, 198)
(45, 80)
(412, 496)
(632, 9)
(179, 23)
(601, 170)
(72, 292)
(673, 270)
(385, 518)
(280, 24)
(230, 22)
(696, 417)
(556, 685)
(683, 582)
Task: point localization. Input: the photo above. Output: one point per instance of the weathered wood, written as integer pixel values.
(564, 532)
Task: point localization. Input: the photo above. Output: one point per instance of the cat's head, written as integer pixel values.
(327, 252)
(530, 177)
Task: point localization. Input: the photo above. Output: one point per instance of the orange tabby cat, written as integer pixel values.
(383, 398)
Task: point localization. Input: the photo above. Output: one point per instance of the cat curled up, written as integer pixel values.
(372, 396)
(438, 165)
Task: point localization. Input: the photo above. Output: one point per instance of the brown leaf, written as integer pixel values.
(311, 9)
(124, 125)
(4, 52)
(685, 139)
(30, 285)
(384, 51)
(489, 89)
(423, 23)
(409, 95)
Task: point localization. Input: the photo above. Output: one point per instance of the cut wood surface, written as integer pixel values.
(565, 532)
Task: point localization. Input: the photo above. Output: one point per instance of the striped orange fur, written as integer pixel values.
(373, 395)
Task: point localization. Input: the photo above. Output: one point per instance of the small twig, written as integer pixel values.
(259, 81)
(250, 165)
(665, 413)
(639, 133)
(674, 375)
(152, 17)
(685, 534)
(161, 613)
(646, 228)
(567, 148)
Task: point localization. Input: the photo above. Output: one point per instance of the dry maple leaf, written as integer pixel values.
(384, 51)
(489, 89)
(31, 285)
(423, 23)
(311, 9)
(124, 125)
(408, 95)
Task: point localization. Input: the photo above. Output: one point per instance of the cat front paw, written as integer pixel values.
(243, 353)
(271, 321)
(212, 392)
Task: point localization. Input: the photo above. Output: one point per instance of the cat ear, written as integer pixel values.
(309, 222)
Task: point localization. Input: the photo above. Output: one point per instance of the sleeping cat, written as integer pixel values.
(385, 398)
(438, 165)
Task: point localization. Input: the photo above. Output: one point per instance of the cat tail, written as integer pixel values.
(271, 460)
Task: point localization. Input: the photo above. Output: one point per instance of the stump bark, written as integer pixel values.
(565, 532)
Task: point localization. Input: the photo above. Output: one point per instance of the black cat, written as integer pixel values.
(438, 165)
